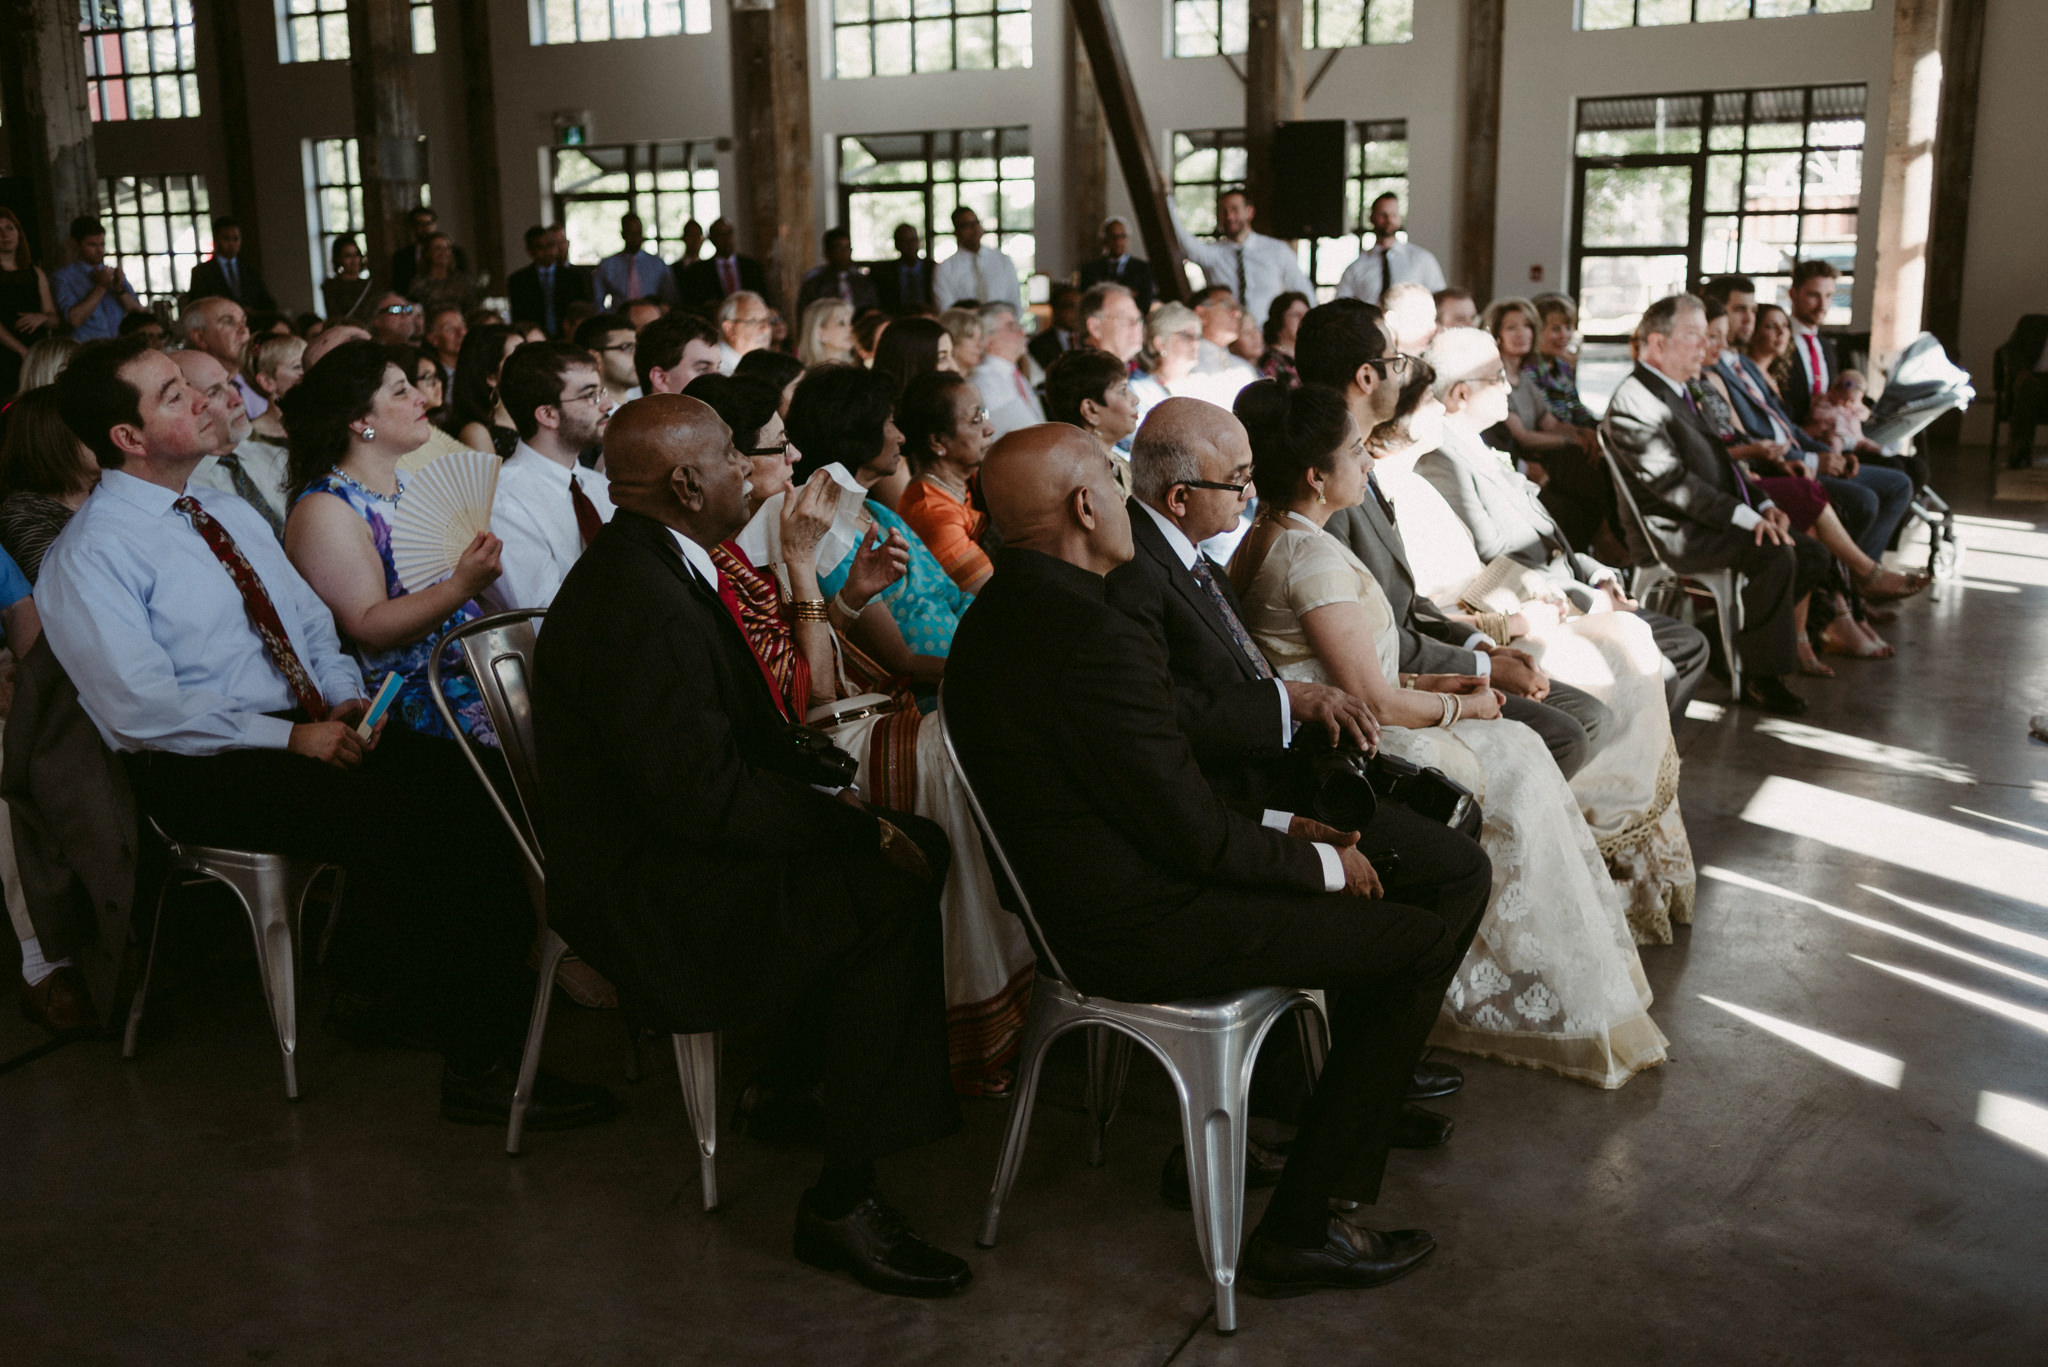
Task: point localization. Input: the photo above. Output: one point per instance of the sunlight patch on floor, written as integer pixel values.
(2022, 1122)
(1896, 758)
(1983, 1001)
(1970, 925)
(2001, 821)
(1869, 1064)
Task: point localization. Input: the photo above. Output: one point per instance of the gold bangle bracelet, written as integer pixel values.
(809, 610)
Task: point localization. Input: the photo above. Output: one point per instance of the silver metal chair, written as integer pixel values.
(272, 890)
(1658, 583)
(499, 652)
(1207, 1045)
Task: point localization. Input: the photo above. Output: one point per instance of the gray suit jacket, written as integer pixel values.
(1430, 642)
(1501, 509)
(1679, 473)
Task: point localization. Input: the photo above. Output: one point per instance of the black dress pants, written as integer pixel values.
(1686, 651)
(1778, 577)
(1570, 722)
(437, 911)
(1388, 964)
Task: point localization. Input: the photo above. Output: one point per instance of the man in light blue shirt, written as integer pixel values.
(633, 273)
(93, 296)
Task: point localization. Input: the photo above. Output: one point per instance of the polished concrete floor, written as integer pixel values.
(1845, 1160)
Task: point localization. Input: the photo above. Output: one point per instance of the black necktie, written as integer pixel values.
(1386, 271)
(1379, 496)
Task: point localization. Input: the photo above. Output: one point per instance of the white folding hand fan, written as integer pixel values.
(445, 505)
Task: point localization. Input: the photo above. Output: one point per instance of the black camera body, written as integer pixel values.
(808, 755)
(1346, 786)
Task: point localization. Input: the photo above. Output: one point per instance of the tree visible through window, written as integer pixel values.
(1598, 14)
(596, 21)
(920, 178)
(1205, 28)
(141, 59)
(158, 228)
(902, 37)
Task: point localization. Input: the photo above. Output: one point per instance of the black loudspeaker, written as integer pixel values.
(1309, 161)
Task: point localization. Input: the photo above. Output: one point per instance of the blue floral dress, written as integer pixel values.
(925, 602)
(414, 707)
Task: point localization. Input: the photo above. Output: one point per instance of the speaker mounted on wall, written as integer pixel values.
(1310, 158)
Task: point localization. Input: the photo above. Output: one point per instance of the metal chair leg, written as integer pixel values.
(1213, 1075)
(130, 1037)
(1728, 609)
(1038, 1037)
(697, 1070)
(273, 894)
(551, 951)
(1313, 1023)
(1109, 1068)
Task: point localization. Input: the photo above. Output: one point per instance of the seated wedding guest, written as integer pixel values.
(198, 651)
(257, 478)
(255, 468)
(1277, 361)
(867, 334)
(1063, 333)
(1110, 321)
(1531, 433)
(610, 338)
(692, 860)
(963, 326)
(1091, 389)
(1455, 308)
(427, 377)
(1628, 790)
(424, 368)
(913, 347)
(347, 292)
(825, 333)
(549, 506)
(840, 416)
(1504, 516)
(148, 325)
(641, 312)
(1696, 506)
(46, 474)
(779, 370)
(946, 432)
(1173, 343)
(1343, 349)
(1222, 325)
(1150, 888)
(1410, 313)
(1577, 490)
(1770, 347)
(45, 361)
(672, 351)
(219, 328)
(443, 283)
(1005, 356)
(396, 321)
(1565, 990)
(745, 323)
(834, 685)
(476, 413)
(350, 420)
(54, 993)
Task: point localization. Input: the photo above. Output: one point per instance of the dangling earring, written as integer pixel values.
(1319, 495)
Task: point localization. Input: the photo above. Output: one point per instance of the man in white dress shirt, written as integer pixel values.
(1256, 269)
(202, 655)
(1005, 388)
(1111, 322)
(673, 350)
(745, 323)
(1390, 260)
(548, 504)
(252, 471)
(975, 272)
(1223, 321)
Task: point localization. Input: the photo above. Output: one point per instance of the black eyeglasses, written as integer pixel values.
(1218, 485)
(780, 448)
(1387, 365)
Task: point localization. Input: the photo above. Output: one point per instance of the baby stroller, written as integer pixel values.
(1923, 384)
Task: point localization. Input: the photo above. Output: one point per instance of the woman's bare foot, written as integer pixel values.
(1883, 585)
(1810, 663)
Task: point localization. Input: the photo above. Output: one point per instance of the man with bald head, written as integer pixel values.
(698, 857)
(1150, 887)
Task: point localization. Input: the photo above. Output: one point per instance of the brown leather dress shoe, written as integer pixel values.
(60, 1004)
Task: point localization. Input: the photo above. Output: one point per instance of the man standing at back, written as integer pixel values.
(1116, 266)
(632, 272)
(1255, 268)
(1390, 260)
(1149, 888)
(977, 271)
(93, 296)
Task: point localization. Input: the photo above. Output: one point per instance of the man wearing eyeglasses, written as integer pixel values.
(611, 339)
(745, 323)
(396, 320)
(548, 505)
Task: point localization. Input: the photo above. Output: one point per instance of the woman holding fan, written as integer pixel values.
(351, 418)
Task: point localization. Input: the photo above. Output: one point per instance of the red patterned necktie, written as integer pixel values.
(1813, 364)
(588, 523)
(256, 601)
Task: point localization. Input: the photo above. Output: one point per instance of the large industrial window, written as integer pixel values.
(141, 60)
(666, 183)
(1675, 189)
(1205, 28)
(1208, 161)
(158, 228)
(1594, 14)
(900, 37)
(317, 30)
(334, 185)
(597, 21)
(919, 178)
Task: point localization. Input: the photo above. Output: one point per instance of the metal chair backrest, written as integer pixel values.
(499, 652)
(1625, 498)
(995, 848)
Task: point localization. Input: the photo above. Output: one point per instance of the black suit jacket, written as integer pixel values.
(702, 290)
(1798, 395)
(572, 285)
(1064, 715)
(823, 283)
(1683, 482)
(1431, 643)
(902, 288)
(705, 886)
(1136, 276)
(1045, 347)
(406, 263)
(210, 281)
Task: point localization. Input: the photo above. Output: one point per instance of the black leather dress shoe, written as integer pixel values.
(1434, 1078)
(61, 1004)
(1262, 1168)
(872, 1242)
(1421, 1129)
(556, 1104)
(1770, 695)
(1350, 1259)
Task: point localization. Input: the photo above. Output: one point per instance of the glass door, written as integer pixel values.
(1635, 238)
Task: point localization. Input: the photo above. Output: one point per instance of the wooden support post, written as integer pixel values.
(1480, 183)
(49, 133)
(231, 89)
(1904, 203)
(1087, 179)
(1955, 148)
(1133, 145)
(1272, 90)
(771, 80)
(390, 152)
(480, 122)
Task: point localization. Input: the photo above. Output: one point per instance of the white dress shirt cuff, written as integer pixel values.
(1482, 663)
(1286, 714)
(1276, 820)
(1333, 867)
(1746, 517)
(266, 732)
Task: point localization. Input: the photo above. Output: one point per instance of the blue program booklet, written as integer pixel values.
(379, 705)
